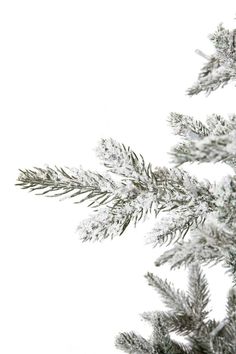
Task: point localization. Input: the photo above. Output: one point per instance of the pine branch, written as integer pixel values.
(225, 193)
(111, 221)
(210, 149)
(139, 192)
(208, 82)
(195, 131)
(230, 327)
(178, 223)
(230, 264)
(201, 345)
(171, 298)
(119, 159)
(198, 294)
(105, 223)
(159, 343)
(132, 343)
(187, 127)
(207, 244)
(160, 338)
(67, 182)
(180, 348)
(183, 214)
(220, 68)
(218, 125)
(174, 322)
(188, 317)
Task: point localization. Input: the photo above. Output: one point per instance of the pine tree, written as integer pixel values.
(198, 218)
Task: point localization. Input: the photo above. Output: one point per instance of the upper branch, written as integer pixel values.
(220, 68)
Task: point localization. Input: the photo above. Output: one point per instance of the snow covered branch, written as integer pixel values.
(187, 127)
(220, 68)
(71, 182)
(207, 243)
(138, 191)
(213, 148)
(187, 316)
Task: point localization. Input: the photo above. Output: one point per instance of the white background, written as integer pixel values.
(71, 73)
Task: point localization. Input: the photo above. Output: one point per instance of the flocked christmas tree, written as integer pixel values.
(199, 220)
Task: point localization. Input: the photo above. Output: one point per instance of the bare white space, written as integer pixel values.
(72, 72)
